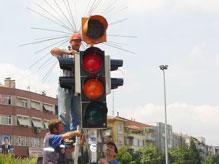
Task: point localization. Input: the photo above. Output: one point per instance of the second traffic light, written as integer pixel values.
(92, 87)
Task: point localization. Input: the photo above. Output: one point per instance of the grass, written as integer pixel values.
(10, 159)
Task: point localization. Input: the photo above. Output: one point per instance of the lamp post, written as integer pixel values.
(163, 68)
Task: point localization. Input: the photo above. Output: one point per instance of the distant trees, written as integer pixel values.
(149, 154)
(123, 156)
(212, 159)
(194, 154)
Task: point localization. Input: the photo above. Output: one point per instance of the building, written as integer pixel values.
(203, 149)
(130, 133)
(160, 136)
(178, 140)
(23, 118)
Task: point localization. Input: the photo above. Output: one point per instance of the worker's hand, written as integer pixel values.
(102, 161)
(72, 52)
(77, 133)
(82, 140)
(69, 150)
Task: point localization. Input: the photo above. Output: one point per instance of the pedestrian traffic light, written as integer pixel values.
(94, 29)
(93, 88)
(67, 82)
(112, 65)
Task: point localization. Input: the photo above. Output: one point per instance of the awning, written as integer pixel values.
(23, 121)
(48, 108)
(38, 124)
(46, 125)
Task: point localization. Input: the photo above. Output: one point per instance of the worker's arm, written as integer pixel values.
(71, 134)
(59, 52)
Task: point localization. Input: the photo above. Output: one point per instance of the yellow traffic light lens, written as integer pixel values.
(93, 89)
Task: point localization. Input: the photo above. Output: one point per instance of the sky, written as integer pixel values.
(182, 34)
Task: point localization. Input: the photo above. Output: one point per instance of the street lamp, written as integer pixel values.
(163, 68)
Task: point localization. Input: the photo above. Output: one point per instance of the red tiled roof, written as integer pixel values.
(129, 123)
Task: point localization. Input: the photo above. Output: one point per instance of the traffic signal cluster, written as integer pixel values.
(92, 74)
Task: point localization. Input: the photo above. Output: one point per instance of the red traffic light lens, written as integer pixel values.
(92, 63)
(93, 60)
(93, 89)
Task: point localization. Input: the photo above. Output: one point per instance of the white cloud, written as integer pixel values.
(145, 5)
(200, 5)
(210, 6)
(26, 79)
(196, 120)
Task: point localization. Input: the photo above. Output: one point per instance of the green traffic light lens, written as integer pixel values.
(95, 114)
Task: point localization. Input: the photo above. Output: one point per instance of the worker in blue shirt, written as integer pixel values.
(54, 148)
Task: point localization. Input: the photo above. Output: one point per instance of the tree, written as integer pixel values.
(194, 154)
(136, 157)
(216, 158)
(150, 155)
(210, 160)
(123, 156)
(180, 155)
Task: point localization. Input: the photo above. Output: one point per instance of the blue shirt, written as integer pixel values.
(55, 141)
(55, 157)
(113, 162)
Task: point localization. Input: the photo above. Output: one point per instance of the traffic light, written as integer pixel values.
(67, 82)
(92, 88)
(112, 65)
(94, 29)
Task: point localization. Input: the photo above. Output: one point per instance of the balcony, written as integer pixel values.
(149, 138)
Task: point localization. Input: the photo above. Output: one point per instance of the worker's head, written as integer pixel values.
(111, 150)
(55, 126)
(75, 41)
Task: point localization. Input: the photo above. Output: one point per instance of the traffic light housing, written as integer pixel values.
(93, 88)
(94, 29)
(112, 65)
(67, 82)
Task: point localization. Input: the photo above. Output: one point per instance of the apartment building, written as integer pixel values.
(130, 133)
(24, 117)
(159, 134)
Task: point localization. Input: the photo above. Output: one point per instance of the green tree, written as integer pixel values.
(150, 155)
(210, 160)
(194, 154)
(123, 156)
(180, 155)
(136, 157)
(216, 158)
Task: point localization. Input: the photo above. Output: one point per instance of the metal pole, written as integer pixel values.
(163, 68)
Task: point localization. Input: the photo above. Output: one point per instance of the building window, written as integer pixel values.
(5, 120)
(35, 142)
(46, 124)
(5, 99)
(48, 108)
(120, 128)
(37, 123)
(119, 140)
(23, 121)
(22, 102)
(35, 105)
(135, 142)
(21, 141)
(141, 143)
